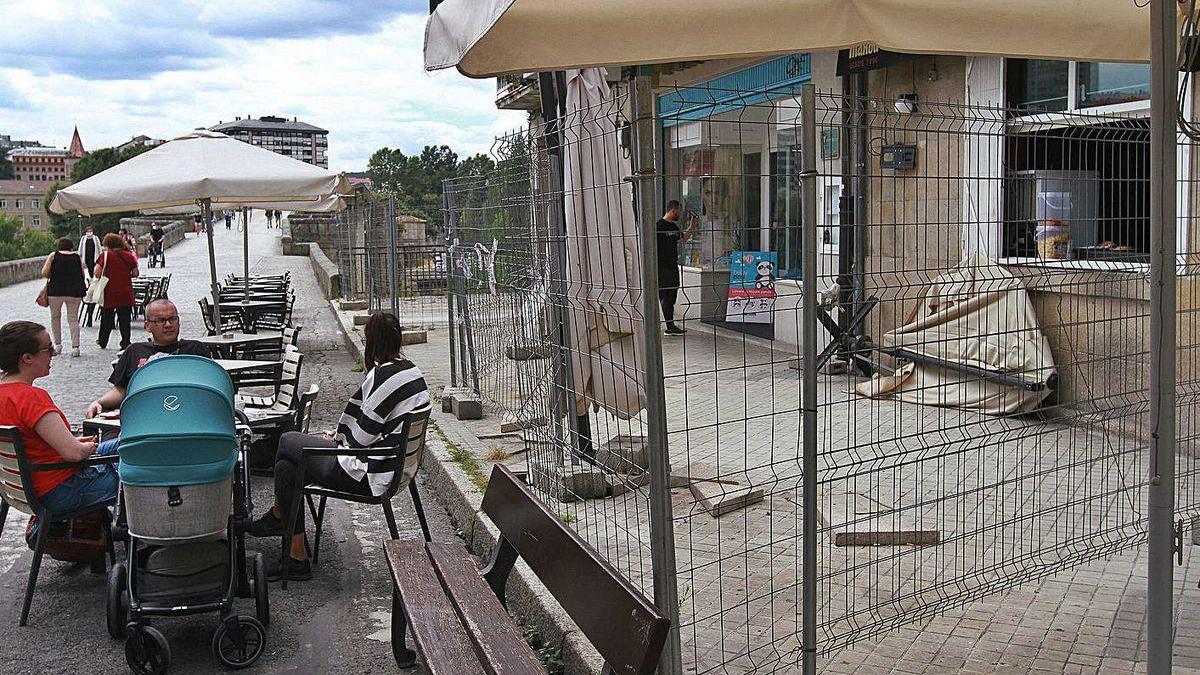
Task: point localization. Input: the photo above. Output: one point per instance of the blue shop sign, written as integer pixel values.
(777, 78)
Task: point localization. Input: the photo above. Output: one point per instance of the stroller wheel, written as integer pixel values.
(262, 604)
(117, 602)
(239, 641)
(147, 651)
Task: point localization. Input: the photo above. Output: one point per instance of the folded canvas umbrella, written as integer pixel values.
(603, 261)
(492, 37)
(200, 169)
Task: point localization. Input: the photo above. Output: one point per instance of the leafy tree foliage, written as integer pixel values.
(88, 166)
(6, 170)
(16, 242)
(415, 181)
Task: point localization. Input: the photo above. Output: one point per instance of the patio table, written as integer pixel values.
(250, 310)
(224, 344)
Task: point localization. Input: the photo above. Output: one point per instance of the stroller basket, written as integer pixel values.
(165, 515)
(178, 450)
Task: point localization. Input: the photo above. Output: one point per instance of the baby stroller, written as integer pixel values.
(157, 258)
(185, 502)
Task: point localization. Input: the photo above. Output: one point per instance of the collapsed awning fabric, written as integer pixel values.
(603, 261)
(976, 315)
(491, 37)
(200, 165)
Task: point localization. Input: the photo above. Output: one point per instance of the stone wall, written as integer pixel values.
(16, 271)
(325, 272)
(311, 227)
(173, 226)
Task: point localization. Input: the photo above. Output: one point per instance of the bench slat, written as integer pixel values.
(619, 622)
(439, 632)
(504, 648)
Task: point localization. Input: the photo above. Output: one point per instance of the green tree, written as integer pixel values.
(88, 166)
(16, 242)
(6, 170)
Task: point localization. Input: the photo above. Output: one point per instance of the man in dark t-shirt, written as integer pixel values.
(669, 238)
(162, 321)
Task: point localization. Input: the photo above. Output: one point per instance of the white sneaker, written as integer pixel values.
(57, 350)
(75, 351)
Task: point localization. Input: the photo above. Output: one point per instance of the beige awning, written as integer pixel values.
(330, 204)
(492, 37)
(200, 165)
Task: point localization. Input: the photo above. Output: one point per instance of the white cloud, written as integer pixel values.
(368, 88)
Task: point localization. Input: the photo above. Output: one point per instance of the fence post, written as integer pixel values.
(1161, 494)
(369, 277)
(808, 342)
(662, 528)
(448, 267)
(390, 216)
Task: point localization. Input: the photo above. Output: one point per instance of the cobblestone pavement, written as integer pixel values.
(338, 622)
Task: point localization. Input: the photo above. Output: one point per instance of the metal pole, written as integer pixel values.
(205, 214)
(448, 268)
(808, 342)
(246, 251)
(1161, 495)
(392, 272)
(662, 527)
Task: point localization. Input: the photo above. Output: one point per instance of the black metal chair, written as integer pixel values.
(231, 321)
(403, 460)
(16, 490)
(269, 426)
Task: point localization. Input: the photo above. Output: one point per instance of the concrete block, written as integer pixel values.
(720, 499)
(529, 352)
(466, 406)
(512, 424)
(567, 482)
(882, 537)
(361, 319)
(623, 483)
(624, 454)
(413, 336)
(353, 305)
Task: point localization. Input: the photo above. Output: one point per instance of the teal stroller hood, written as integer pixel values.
(177, 424)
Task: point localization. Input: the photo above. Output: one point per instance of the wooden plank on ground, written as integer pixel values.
(441, 637)
(504, 650)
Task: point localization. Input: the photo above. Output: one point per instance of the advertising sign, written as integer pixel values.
(751, 296)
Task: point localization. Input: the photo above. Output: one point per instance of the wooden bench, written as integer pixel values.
(456, 611)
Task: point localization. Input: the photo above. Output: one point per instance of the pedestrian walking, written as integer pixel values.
(228, 219)
(196, 224)
(64, 272)
(669, 238)
(119, 266)
(89, 246)
(128, 241)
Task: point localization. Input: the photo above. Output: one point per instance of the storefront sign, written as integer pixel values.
(864, 57)
(751, 297)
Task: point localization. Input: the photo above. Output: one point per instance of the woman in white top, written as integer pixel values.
(392, 389)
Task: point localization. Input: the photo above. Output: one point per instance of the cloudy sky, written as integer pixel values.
(119, 68)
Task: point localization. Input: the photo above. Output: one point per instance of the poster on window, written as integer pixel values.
(751, 296)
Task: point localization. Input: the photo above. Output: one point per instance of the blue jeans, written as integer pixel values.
(89, 486)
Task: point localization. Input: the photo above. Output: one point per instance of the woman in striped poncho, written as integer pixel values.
(393, 388)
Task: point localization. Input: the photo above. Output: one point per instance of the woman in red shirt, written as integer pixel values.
(25, 355)
(120, 266)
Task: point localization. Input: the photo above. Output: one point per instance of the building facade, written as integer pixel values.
(46, 165)
(23, 199)
(290, 138)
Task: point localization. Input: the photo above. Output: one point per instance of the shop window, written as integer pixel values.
(831, 216)
(1079, 192)
(785, 211)
(1054, 86)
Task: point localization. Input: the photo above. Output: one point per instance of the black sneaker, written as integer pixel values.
(266, 526)
(674, 330)
(297, 570)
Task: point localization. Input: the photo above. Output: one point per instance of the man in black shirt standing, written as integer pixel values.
(162, 320)
(669, 238)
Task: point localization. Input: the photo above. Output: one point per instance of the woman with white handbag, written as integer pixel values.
(113, 288)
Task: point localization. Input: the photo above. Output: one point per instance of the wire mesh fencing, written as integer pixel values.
(981, 390)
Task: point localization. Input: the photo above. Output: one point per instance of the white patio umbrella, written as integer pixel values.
(200, 169)
(493, 37)
(603, 261)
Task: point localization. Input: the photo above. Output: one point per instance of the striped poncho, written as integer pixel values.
(375, 415)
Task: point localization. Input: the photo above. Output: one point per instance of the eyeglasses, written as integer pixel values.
(165, 319)
(47, 348)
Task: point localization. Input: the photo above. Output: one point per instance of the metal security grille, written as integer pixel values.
(979, 302)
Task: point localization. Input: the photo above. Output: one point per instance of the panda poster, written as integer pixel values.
(751, 296)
